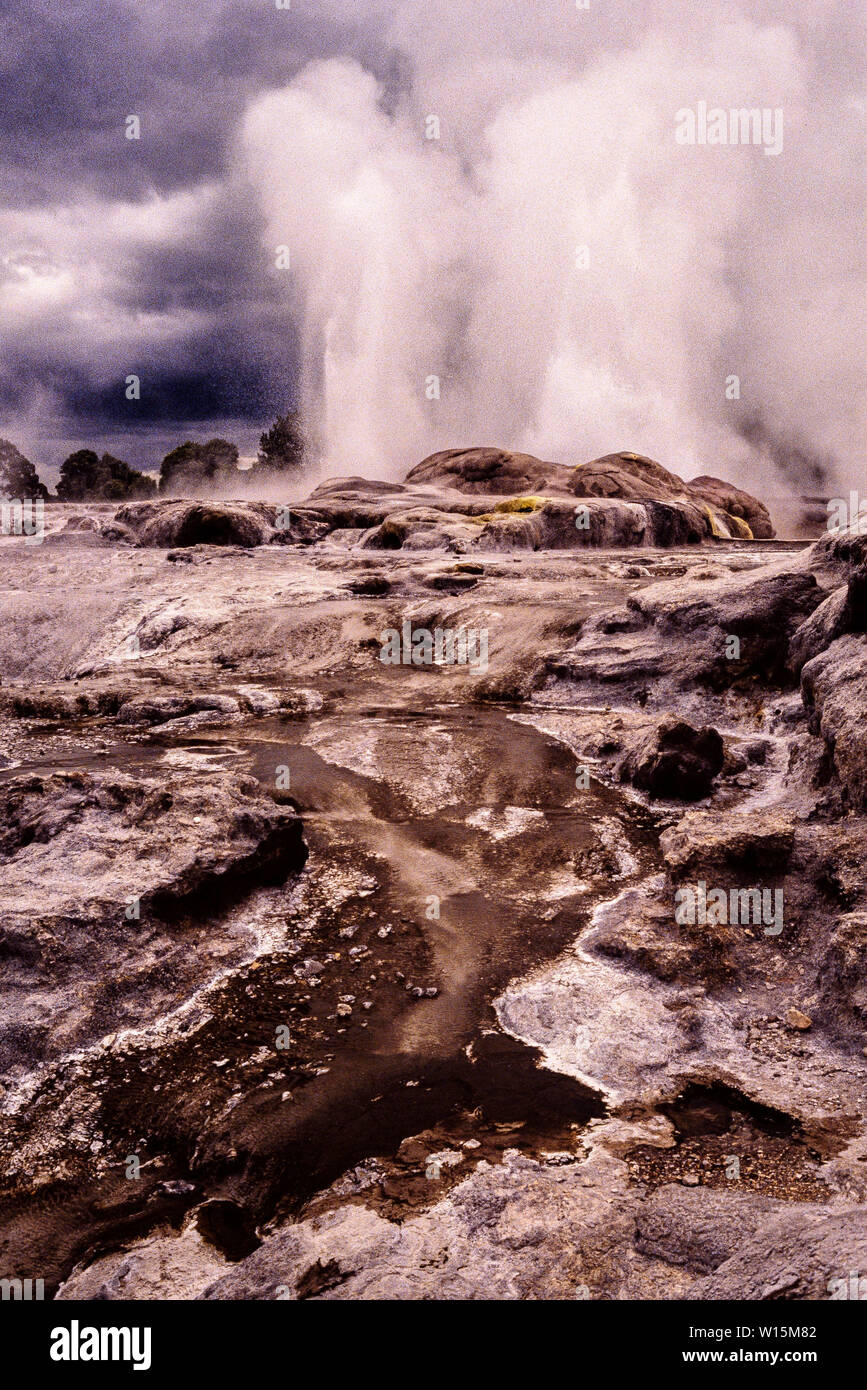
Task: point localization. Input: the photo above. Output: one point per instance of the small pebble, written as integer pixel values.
(796, 1019)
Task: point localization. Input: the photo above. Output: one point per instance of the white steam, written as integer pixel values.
(459, 258)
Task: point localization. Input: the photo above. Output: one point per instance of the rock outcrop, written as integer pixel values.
(184, 523)
(834, 686)
(713, 507)
(737, 504)
(676, 761)
(467, 499)
(493, 472)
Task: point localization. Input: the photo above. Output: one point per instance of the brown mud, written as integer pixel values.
(354, 1087)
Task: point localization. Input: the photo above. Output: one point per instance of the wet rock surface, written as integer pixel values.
(327, 976)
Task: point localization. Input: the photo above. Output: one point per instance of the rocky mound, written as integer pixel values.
(738, 505)
(491, 471)
(184, 523)
(463, 500)
(726, 510)
(627, 475)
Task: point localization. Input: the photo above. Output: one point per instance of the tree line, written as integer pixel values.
(186, 471)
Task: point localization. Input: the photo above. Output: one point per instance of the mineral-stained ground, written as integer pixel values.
(325, 976)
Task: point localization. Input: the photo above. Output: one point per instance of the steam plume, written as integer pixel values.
(459, 258)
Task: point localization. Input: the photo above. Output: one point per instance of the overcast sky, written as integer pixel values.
(122, 256)
(155, 256)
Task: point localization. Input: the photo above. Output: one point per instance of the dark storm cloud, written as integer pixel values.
(73, 72)
(192, 305)
(179, 394)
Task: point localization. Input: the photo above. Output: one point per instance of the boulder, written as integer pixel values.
(762, 610)
(159, 709)
(700, 841)
(677, 761)
(845, 548)
(799, 1254)
(843, 971)
(854, 615)
(419, 528)
(678, 523)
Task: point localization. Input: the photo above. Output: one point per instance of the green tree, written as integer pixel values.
(18, 477)
(78, 475)
(282, 447)
(86, 477)
(192, 468)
